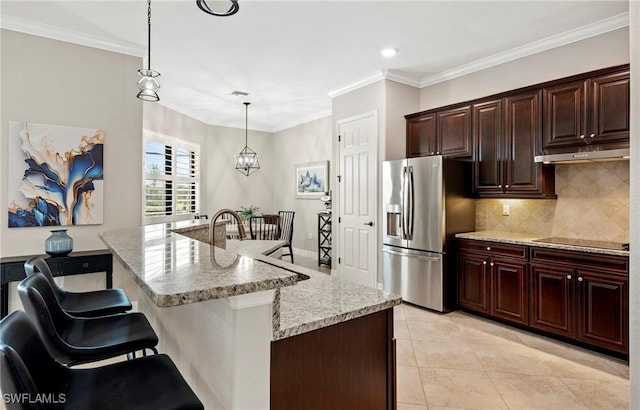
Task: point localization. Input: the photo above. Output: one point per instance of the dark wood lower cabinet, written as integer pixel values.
(581, 296)
(603, 310)
(493, 280)
(552, 300)
(509, 296)
(578, 297)
(349, 365)
(474, 282)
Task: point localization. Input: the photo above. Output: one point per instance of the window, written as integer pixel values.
(171, 178)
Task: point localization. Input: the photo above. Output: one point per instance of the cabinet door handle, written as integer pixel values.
(506, 186)
(484, 262)
(500, 186)
(491, 264)
(579, 279)
(592, 135)
(582, 137)
(488, 248)
(569, 277)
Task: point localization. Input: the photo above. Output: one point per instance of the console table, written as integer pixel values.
(76, 263)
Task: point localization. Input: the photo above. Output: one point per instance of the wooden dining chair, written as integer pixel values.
(286, 230)
(264, 227)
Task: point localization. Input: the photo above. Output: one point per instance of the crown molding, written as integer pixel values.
(70, 36)
(567, 37)
(399, 78)
(358, 84)
(373, 78)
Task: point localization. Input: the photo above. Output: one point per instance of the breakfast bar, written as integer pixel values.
(226, 315)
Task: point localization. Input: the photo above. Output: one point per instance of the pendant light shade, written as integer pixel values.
(233, 8)
(247, 160)
(148, 83)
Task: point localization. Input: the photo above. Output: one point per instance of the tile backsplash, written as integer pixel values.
(593, 203)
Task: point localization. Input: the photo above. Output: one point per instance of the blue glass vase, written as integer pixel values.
(59, 243)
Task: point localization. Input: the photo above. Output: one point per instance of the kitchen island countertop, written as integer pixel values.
(173, 270)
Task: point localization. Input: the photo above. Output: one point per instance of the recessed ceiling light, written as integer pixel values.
(389, 52)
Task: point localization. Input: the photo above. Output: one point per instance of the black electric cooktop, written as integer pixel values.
(586, 243)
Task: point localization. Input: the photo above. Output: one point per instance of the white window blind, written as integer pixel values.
(171, 178)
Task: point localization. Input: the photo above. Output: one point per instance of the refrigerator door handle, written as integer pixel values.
(411, 204)
(404, 203)
(412, 255)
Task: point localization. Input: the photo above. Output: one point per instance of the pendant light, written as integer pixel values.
(247, 159)
(148, 84)
(233, 9)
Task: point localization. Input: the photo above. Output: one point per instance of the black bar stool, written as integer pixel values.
(82, 304)
(29, 373)
(73, 340)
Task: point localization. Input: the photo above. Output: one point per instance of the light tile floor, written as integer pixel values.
(307, 262)
(460, 361)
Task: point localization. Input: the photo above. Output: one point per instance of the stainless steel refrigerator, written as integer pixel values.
(426, 201)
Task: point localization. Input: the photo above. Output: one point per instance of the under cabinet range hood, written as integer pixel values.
(584, 156)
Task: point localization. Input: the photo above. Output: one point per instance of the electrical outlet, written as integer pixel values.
(505, 209)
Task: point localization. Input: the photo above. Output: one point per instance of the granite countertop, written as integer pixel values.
(173, 269)
(305, 299)
(531, 240)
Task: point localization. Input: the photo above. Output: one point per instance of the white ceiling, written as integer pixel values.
(291, 55)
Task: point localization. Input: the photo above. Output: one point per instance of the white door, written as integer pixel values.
(357, 214)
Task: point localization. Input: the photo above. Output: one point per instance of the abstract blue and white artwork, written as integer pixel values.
(312, 179)
(55, 175)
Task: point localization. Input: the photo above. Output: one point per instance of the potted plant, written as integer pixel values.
(248, 212)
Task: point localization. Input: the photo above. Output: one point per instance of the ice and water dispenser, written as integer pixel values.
(393, 224)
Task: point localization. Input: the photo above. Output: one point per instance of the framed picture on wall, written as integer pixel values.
(55, 175)
(312, 180)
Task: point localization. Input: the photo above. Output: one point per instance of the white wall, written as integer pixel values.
(309, 142)
(228, 188)
(400, 100)
(52, 82)
(606, 50)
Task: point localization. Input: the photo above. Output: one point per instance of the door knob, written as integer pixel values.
(369, 223)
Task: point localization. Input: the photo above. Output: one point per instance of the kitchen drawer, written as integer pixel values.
(495, 248)
(84, 265)
(561, 257)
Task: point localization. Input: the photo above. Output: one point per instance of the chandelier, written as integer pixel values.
(148, 84)
(247, 159)
(233, 9)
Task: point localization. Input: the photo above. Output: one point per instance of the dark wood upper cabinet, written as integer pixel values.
(610, 108)
(503, 133)
(588, 111)
(506, 134)
(564, 113)
(489, 147)
(444, 132)
(454, 132)
(421, 136)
